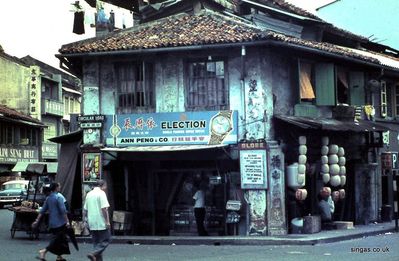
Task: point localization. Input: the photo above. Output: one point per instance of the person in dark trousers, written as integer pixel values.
(95, 212)
(58, 224)
(199, 209)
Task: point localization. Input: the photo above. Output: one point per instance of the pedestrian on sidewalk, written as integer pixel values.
(58, 224)
(95, 213)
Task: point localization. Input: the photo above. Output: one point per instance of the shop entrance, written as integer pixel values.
(160, 200)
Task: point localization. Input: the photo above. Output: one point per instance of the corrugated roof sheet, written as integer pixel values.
(385, 60)
(333, 124)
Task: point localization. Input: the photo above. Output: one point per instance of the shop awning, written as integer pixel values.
(35, 167)
(333, 124)
(5, 168)
(163, 148)
(69, 137)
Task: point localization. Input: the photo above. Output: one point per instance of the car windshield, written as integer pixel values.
(13, 186)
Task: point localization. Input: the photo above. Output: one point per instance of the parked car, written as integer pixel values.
(13, 192)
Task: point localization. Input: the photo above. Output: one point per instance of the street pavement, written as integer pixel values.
(384, 246)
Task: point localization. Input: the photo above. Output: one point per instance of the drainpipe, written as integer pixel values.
(243, 94)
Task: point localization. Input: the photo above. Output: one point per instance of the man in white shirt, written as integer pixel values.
(95, 212)
(199, 210)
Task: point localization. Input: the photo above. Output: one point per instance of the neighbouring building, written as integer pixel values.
(38, 90)
(261, 101)
(20, 141)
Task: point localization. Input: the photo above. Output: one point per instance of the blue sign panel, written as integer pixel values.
(176, 128)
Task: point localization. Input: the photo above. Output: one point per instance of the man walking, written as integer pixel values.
(95, 212)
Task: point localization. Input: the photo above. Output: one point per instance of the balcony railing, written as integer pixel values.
(53, 107)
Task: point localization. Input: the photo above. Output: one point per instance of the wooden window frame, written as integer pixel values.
(214, 96)
(384, 100)
(135, 86)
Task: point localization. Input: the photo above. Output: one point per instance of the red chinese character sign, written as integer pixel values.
(91, 166)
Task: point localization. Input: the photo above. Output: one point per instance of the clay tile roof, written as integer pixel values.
(181, 30)
(13, 114)
(189, 30)
(326, 47)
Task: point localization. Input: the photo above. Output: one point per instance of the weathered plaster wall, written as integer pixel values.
(107, 88)
(91, 98)
(169, 84)
(14, 85)
(283, 87)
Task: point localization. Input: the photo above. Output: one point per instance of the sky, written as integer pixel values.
(40, 27)
(37, 28)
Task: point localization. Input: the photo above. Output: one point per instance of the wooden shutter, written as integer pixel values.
(356, 88)
(325, 84)
(383, 99)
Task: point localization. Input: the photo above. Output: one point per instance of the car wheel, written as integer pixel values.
(1, 205)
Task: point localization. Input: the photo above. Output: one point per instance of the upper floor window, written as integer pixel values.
(135, 86)
(389, 99)
(50, 89)
(206, 87)
(306, 81)
(328, 85)
(71, 105)
(28, 136)
(7, 134)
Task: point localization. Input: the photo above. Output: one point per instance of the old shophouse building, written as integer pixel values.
(259, 100)
(39, 91)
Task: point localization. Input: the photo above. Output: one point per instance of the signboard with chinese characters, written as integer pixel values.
(183, 128)
(253, 165)
(35, 93)
(91, 166)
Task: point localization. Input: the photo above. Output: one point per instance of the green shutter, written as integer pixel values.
(356, 88)
(325, 84)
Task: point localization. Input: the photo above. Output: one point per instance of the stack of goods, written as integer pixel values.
(342, 171)
(301, 194)
(335, 178)
(325, 167)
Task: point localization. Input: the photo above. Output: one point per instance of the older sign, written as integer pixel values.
(16, 154)
(253, 165)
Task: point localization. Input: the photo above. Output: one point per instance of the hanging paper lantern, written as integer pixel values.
(302, 140)
(324, 159)
(333, 159)
(326, 178)
(333, 149)
(342, 170)
(324, 150)
(342, 161)
(325, 140)
(301, 179)
(302, 159)
(341, 152)
(335, 181)
(303, 149)
(325, 168)
(343, 180)
(334, 169)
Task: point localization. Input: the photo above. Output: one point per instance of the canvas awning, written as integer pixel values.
(35, 167)
(333, 124)
(163, 148)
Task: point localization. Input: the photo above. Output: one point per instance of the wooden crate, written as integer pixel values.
(311, 224)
